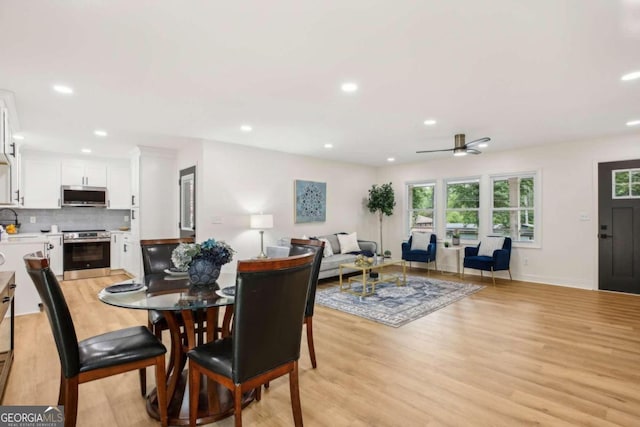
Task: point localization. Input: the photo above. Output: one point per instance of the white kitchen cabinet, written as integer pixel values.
(125, 252)
(40, 182)
(76, 172)
(116, 249)
(135, 179)
(27, 299)
(55, 253)
(158, 185)
(119, 187)
(131, 260)
(9, 157)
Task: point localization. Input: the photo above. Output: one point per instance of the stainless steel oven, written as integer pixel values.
(87, 253)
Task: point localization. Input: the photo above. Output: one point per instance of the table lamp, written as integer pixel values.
(261, 222)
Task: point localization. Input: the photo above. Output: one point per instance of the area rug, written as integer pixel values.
(397, 305)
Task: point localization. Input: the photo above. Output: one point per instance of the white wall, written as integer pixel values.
(236, 181)
(569, 247)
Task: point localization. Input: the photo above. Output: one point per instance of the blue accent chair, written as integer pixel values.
(499, 261)
(420, 255)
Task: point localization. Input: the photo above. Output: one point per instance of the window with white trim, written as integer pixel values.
(463, 208)
(421, 197)
(513, 207)
(626, 183)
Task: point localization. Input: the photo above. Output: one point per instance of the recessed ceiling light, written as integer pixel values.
(86, 150)
(328, 145)
(631, 76)
(18, 137)
(430, 122)
(246, 128)
(349, 87)
(633, 123)
(391, 159)
(65, 90)
(100, 132)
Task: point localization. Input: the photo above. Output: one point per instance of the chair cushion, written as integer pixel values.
(478, 262)
(215, 356)
(490, 244)
(420, 241)
(348, 243)
(118, 347)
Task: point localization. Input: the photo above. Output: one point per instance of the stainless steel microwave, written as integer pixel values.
(80, 195)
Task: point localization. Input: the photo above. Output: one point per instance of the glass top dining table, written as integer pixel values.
(191, 313)
(169, 293)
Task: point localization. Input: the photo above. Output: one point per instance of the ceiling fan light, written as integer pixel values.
(483, 145)
(459, 152)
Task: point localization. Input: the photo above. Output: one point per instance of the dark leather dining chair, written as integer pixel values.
(300, 246)
(265, 341)
(96, 357)
(156, 257)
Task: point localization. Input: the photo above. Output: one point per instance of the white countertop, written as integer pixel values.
(23, 238)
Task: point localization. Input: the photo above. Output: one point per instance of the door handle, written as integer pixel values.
(606, 236)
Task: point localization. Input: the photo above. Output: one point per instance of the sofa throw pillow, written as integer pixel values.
(328, 251)
(333, 239)
(490, 244)
(348, 243)
(420, 241)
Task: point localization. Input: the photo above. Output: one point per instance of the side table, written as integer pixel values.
(456, 250)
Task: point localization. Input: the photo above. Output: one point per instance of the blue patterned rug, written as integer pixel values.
(397, 305)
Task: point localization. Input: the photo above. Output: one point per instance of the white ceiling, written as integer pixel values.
(162, 72)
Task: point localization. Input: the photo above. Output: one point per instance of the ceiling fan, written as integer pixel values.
(460, 148)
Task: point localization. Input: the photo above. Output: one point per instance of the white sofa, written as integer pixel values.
(330, 265)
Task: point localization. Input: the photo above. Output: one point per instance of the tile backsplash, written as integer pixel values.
(67, 218)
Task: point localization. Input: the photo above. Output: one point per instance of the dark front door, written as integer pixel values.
(619, 226)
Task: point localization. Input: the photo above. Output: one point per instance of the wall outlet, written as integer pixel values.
(126, 218)
(216, 220)
(32, 219)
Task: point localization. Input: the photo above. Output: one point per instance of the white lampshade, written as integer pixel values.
(261, 221)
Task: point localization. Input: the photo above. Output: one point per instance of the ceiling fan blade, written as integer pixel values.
(478, 141)
(473, 151)
(434, 151)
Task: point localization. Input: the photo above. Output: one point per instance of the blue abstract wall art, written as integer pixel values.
(311, 201)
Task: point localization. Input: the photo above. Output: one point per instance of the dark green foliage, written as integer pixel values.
(381, 199)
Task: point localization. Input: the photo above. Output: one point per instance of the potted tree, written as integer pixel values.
(381, 201)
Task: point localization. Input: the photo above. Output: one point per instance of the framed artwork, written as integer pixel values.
(311, 201)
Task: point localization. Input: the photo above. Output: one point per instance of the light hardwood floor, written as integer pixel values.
(512, 354)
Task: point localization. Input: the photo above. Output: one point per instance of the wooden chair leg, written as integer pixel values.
(143, 381)
(161, 387)
(266, 385)
(237, 409)
(493, 279)
(258, 393)
(70, 401)
(194, 392)
(308, 320)
(61, 391)
(295, 395)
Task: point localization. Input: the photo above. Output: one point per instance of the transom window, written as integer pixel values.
(463, 206)
(626, 183)
(421, 198)
(513, 204)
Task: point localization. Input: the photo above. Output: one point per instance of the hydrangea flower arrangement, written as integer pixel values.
(218, 252)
